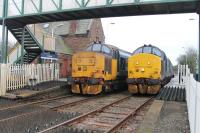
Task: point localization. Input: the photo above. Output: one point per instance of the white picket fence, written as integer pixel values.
(185, 79)
(183, 70)
(16, 76)
(193, 102)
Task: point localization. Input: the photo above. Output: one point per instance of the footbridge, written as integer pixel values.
(23, 12)
(15, 15)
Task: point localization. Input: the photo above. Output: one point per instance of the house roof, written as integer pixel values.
(63, 27)
(83, 26)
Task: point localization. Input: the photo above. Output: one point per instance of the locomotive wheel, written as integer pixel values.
(154, 89)
(133, 89)
(93, 89)
(75, 89)
(86, 89)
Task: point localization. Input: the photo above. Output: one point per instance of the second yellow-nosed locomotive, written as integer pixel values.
(148, 70)
(100, 68)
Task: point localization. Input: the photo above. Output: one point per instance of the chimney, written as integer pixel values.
(73, 26)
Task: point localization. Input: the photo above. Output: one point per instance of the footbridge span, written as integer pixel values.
(16, 14)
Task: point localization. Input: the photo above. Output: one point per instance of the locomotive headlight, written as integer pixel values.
(148, 63)
(136, 62)
(84, 68)
(142, 70)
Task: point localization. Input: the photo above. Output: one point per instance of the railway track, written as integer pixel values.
(104, 119)
(35, 102)
(32, 108)
(44, 117)
(37, 117)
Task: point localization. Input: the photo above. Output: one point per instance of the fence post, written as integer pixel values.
(179, 76)
(0, 81)
(195, 115)
(58, 72)
(3, 79)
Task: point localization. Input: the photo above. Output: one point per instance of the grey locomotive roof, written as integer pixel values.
(162, 52)
(113, 48)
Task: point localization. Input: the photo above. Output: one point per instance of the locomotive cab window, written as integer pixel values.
(147, 49)
(138, 51)
(96, 47)
(106, 50)
(156, 52)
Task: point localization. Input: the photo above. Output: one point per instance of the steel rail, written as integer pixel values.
(116, 126)
(85, 115)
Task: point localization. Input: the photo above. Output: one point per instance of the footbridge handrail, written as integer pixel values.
(19, 8)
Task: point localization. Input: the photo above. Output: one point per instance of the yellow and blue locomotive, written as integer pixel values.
(100, 68)
(148, 70)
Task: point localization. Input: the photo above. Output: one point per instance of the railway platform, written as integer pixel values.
(39, 89)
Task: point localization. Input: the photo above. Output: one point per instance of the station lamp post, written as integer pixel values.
(186, 62)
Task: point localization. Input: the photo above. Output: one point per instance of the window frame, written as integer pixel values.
(147, 47)
(100, 50)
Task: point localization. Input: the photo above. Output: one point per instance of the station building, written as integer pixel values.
(61, 39)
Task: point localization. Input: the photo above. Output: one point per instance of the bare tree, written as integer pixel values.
(190, 57)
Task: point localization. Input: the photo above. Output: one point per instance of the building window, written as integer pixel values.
(46, 25)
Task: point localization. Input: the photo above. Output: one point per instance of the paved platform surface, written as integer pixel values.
(30, 91)
(151, 117)
(165, 117)
(173, 118)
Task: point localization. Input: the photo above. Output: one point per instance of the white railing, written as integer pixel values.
(192, 98)
(193, 103)
(14, 77)
(179, 79)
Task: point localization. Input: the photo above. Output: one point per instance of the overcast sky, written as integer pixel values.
(168, 32)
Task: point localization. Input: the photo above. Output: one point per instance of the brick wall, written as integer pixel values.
(80, 42)
(96, 31)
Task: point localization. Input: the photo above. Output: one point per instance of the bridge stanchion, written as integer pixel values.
(22, 45)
